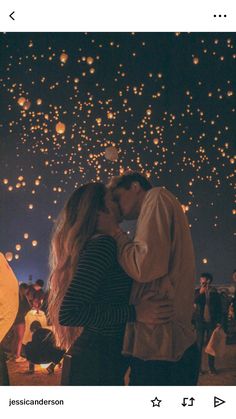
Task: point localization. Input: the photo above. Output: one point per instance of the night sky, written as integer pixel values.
(77, 107)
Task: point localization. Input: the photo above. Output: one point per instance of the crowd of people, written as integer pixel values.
(116, 304)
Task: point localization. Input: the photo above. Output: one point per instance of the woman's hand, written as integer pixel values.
(154, 312)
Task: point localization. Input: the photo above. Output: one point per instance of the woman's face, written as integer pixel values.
(113, 207)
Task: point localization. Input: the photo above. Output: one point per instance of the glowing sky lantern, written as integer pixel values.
(9, 256)
(90, 60)
(92, 70)
(148, 112)
(63, 57)
(60, 128)
(39, 102)
(109, 115)
(31, 206)
(195, 60)
(34, 243)
(155, 141)
(21, 101)
(204, 261)
(111, 153)
(26, 105)
(17, 256)
(5, 181)
(26, 235)
(37, 182)
(18, 247)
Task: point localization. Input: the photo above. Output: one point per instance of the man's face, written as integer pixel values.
(127, 200)
(203, 281)
(113, 207)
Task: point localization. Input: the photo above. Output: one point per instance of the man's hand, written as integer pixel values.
(154, 312)
(107, 224)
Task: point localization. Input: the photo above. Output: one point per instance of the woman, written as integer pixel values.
(19, 323)
(89, 291)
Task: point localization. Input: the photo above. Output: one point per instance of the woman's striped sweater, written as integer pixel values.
(98, 295)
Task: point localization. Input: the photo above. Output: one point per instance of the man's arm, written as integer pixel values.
(147, 257)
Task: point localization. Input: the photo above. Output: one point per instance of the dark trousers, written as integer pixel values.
(166, 373)
(4, 378)
(204, 332)
(95, 361)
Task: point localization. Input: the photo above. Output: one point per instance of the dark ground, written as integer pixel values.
(226, 373)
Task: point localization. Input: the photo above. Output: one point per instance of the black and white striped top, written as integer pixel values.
(98, 296)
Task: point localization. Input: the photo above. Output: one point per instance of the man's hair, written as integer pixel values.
(35, 325)
(207, 275)
(125, 181)
(40, 282)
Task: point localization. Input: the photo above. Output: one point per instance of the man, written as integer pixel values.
(160, 259)
(9, 301)
(36, 292)
(209, 313)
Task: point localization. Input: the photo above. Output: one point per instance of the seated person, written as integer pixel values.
(42, 349)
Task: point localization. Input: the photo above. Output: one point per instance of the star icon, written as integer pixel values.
(156, 402)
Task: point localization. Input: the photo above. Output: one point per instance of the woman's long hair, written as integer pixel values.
(75, 225)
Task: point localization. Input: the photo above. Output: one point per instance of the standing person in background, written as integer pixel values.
(19, 323)
(209, 309)
(9, 301)
(35, 292)
(161, 261)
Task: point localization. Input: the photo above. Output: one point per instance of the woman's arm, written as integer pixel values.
(79, 307)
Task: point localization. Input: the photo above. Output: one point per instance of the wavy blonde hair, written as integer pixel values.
(75, 225)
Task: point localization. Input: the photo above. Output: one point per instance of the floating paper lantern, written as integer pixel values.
(155, 141)
(92, 70)
(204, 261)
(21, 101)
(18, 247)
(60, 128)
(90, 60)
(26, 235)
(148, 112)
(109, 115)
(39, 102)
(26, 105)
(34, 243)
(17, 256)
(111, 153)
(9, 256)
(195, 60)
(63, 57)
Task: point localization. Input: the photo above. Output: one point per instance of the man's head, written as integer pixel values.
(39, 284)
(35, 325)
(205, 279)
(129, 191)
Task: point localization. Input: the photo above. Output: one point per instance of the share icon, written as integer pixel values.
(218, 401)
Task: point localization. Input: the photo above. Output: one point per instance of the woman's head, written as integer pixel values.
(76, 224)
(23, 288)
